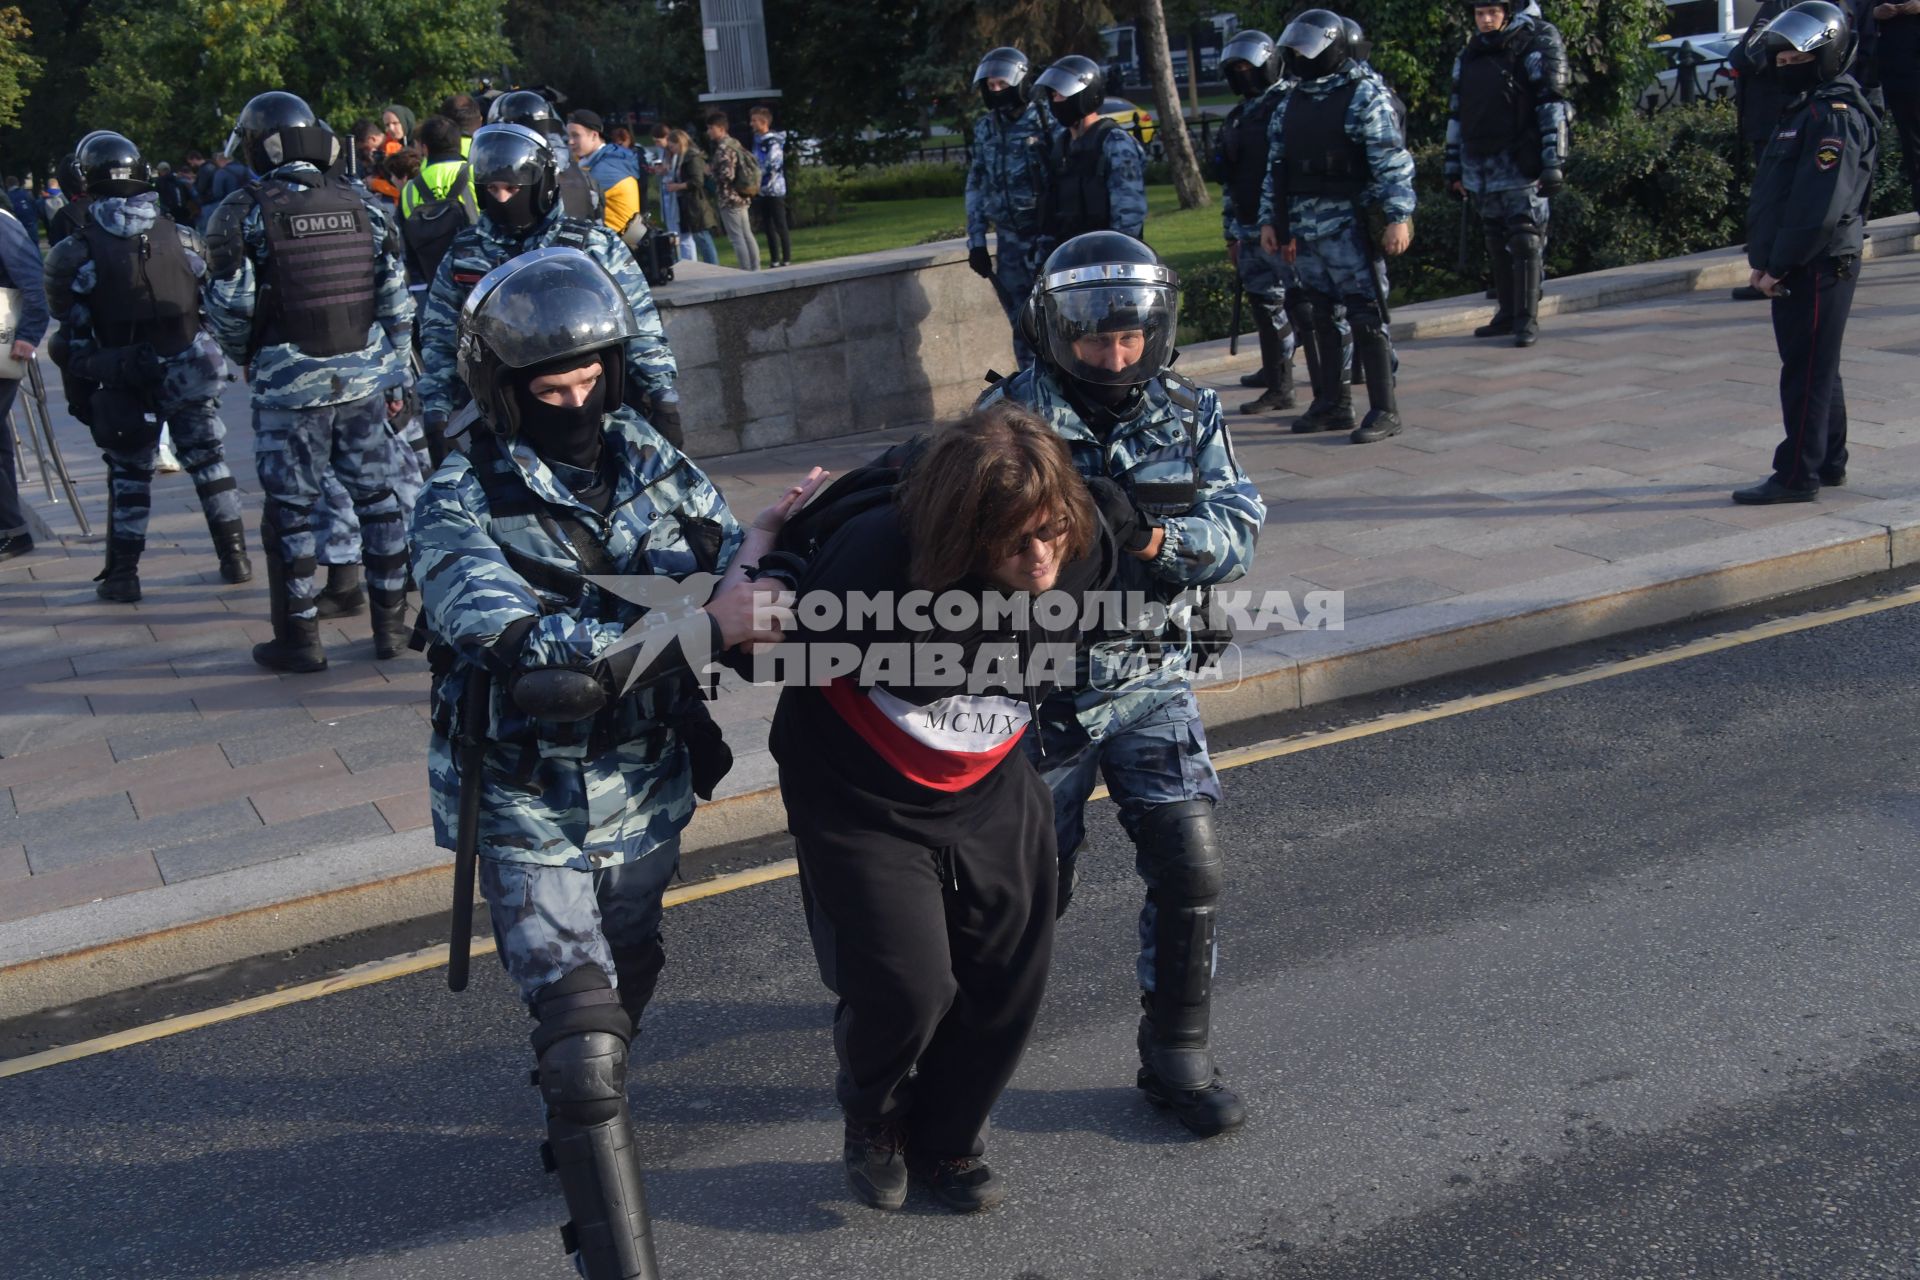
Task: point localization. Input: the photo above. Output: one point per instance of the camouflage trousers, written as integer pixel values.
(1339, 273)
(1013, 285)
(199, 439)
(336, 530)
(292, 451)
(1517, 209)
(1157, 758)
(1265, 278)
(549, 921)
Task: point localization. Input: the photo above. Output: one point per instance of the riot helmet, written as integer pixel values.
(1105, 310)
(1004, 63)
(1315, 44)
(525, 107)
(535, 311)
(72, 183)
(1251, 62)
(519, 157)
(278, 128)
(110, 165)
(1081, 84)
(1814, 27)
(1358, 46)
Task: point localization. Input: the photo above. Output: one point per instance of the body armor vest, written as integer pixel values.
(579, 194)
(319, 269)
(144, 289)
(1077, 199)
(1321, 160)
(1496, 106)
(1243, 148)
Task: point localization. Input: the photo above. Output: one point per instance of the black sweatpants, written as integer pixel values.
(773, 216)
(939, 956)
(1807, 328)
(1904, 107)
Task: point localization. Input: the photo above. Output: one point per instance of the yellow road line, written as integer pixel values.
(412, 962)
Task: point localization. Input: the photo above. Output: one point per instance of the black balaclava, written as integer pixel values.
(1798, 78)
(512, 214)
(569, 436)
(1068, 111)
(1102, 406)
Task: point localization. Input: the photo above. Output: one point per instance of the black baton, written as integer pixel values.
(472, 761)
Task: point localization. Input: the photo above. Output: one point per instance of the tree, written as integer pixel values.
(173, 76)
(643, 57)
(1151, 39)
(18, 68)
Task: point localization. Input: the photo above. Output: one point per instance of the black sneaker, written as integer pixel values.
(876, 1165)
(965, 1184)
(15, 544)
(1771, 491)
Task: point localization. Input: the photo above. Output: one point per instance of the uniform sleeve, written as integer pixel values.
(63, 264)
(1371, 124)
(976, 186)
(471, 596)
(231, 300)
(392, 301)
(1273, 200)
(1228, 214)
(1830, 176)
(1214, 542)
(1126, 184)
(649, 358)
(1451, 167)
(1545, 67)
(439, 322)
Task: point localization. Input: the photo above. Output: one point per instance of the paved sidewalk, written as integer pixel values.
(149, 769)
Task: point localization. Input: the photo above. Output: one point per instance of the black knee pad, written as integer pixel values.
(1181, 848)
(1363, 314)
(581, 1002)
(1524, 240)
(583, 1077)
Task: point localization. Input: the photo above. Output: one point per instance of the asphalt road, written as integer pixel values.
(1618, 981)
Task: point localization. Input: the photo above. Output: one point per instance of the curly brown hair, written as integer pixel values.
(977, 485)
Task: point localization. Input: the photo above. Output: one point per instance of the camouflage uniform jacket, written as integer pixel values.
(1371, 124)
(478, 249)
(282, 376)
(1008, 173)
(1543, 67)
(549, 797)
(1209, 543)
(194, 374)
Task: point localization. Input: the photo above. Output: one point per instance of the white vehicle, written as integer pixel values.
(1702, 59)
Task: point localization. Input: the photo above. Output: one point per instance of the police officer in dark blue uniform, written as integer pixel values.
(1805, 226)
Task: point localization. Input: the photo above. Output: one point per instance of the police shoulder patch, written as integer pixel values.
(1827, 154)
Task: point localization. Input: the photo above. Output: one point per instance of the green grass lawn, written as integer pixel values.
(1183, 238)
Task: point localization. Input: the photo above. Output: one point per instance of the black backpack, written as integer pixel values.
(855, 493)
(429, 230)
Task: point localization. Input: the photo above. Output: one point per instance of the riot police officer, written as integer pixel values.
(1251, 63)
(1155, 449)
(579, 193)
(1805, 228)
(519, 189)
(591, 747)
(71, 216)
(1338, 196)
(126, 287)
(1507, 151)
(308, 294)
(1012, 144)
(1097, 175)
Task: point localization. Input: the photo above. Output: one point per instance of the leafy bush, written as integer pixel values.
(1206, 302)
(913, 181)
(815, 193)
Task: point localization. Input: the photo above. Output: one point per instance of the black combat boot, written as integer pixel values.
(1502, 323)
(295, 646)
(1332, 407)
(1177, 1071)
(230, 544)
(1375, 354)
(390, 629)
(343, 596)
(1276, 369)
(1526, 289)
(120, 579)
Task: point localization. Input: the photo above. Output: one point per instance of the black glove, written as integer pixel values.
(1132, 528)
(1551, 182)
(981, 261)
(435, 426)
(664, 415)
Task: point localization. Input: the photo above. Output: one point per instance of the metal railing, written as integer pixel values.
(1691, 76)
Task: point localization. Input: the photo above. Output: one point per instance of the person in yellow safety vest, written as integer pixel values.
(612, 168)
(442, 172)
